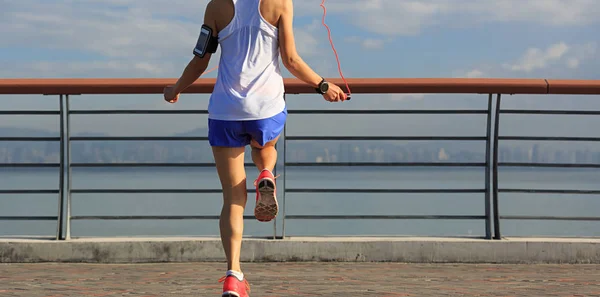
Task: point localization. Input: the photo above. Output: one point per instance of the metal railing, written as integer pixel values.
(65, 88)
(497, 164)
(483, 190)
(60, 190)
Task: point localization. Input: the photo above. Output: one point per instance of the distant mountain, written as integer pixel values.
(26, 132)
(297, 151)
(198, 132)
(31, 132)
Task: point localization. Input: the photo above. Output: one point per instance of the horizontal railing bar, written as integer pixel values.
(290, 111)
(385, 164)
(29, 138)
(388, 217)
(149, 217)
(388, 138)
(109, 165)
(151, 191)
(20, 191)
(134, 111)
(549, 165)
(383, 111)
(139, 138)
(550, 191)
(550, 218)
(373, 191)
(549, 138)
(51, 86)
(308, 111)
(37, 218)
(300, 190)
(29, 165)
(29, 112)
(550, 112)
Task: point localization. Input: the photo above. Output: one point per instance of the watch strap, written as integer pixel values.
(318, 88)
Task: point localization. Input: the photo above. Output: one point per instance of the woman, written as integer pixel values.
(247, 107)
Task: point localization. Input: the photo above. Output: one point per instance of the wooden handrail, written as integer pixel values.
(71, 86)
(585, 87)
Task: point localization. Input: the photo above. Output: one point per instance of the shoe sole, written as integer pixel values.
(230, 294)
(266, 205)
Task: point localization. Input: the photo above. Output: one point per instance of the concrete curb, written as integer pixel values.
(406, 250)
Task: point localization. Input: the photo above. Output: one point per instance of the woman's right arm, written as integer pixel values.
(293, 62)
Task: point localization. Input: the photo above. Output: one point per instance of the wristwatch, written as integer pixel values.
(323, 87)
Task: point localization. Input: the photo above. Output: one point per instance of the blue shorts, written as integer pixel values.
(240, 133)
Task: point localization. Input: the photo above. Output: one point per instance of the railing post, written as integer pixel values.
(488, 213)
(497, 234)
(284, 136)
(68, 164)
(61, 176)
(275, 174)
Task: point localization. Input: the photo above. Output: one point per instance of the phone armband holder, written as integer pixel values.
(207, 43)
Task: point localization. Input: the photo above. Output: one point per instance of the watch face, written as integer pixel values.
(324, 87)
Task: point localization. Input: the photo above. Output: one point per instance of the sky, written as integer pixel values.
(374, 38)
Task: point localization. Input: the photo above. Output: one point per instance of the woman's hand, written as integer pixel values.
(335, 94)
(170, 95)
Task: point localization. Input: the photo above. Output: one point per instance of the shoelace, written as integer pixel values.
(222, 279)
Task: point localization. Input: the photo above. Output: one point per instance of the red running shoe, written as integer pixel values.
(233, 287)
(266, 208)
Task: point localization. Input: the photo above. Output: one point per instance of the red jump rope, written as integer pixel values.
(349, 94)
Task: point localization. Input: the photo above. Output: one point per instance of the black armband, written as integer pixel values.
(207, 43)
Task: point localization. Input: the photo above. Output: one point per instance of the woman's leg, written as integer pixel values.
(230, 168)
(265, 134)
(228, 142)
(264, 156)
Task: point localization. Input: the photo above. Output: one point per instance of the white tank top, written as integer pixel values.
(249, 83)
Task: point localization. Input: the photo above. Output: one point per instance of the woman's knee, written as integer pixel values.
(255, 145)
(230, 169)
(237, 194)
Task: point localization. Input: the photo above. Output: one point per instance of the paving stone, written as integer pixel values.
(299, 279)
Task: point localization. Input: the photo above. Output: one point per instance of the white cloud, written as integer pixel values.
(155, 37)
(573, 63)
(368, 43)
(410, 17)
(306, 42)
(475, 73)
(535, 58)
(156, 29)
(120, 37)
(546, 12)
(581, 53)
(48, 69)
(557, 60)
(137, 32)
(117, 37)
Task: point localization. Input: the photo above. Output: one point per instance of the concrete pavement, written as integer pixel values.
(300, 279)
(299, 249)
